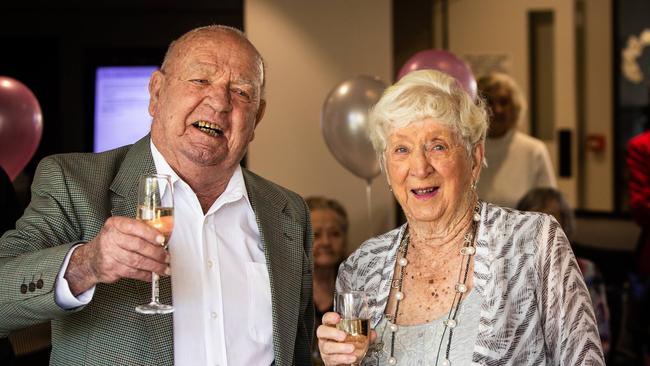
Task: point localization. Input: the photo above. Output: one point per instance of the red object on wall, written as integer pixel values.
(596, 142)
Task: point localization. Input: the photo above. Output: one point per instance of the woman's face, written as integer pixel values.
(429, 171)
(503, 117)
(329, 238)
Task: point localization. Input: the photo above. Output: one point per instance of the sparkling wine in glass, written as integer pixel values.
(156, 208)
(352, 306)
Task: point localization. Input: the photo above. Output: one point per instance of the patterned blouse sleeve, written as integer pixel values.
(347, 273)
(570, 330)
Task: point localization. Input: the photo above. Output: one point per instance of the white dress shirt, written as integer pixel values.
(220, 284)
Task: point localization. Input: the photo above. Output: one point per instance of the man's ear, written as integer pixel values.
(259, 116)
(260, 112)
(155, 84)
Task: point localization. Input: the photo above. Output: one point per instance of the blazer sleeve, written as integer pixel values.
(34, 252)
(570, 330)
(305, 334)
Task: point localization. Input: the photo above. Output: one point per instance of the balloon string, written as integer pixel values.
(369, 206)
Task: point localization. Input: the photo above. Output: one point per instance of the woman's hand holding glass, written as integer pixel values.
(344, 337)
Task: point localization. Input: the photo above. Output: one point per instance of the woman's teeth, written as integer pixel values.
(424, 190)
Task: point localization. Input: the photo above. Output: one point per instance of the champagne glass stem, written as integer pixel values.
(154, 288)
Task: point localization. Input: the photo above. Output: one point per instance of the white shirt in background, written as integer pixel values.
(516, 163)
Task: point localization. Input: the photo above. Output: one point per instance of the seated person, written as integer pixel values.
(552, 202)
(329, 223)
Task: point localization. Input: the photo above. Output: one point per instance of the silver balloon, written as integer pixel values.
(344, 123)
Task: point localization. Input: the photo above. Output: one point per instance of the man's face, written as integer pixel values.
(207, 102)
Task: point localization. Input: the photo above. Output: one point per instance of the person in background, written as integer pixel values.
(638, 162)
(240, 251)
(329, 222)
(551, 201)
(516, 162)
(463, 281)
(9, 212)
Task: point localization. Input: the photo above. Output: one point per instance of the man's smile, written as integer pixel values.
(208, 128)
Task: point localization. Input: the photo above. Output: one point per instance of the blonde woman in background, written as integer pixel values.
(516, 162)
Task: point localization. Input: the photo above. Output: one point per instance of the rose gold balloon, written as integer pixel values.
(21, 125)
(444, 61)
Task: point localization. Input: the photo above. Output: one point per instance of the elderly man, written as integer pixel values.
(239, 256)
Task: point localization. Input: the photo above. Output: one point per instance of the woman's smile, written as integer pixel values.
(425, 193)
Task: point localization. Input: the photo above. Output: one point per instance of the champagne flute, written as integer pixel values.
(156, 208)
(352, 306)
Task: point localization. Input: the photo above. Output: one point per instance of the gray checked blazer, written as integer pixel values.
(72, 196)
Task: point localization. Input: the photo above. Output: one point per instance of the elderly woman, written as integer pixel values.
(462, 281)
(329, 223)
(516, 162)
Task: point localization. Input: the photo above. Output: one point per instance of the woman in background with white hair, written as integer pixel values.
(516, 162)
(463, 281)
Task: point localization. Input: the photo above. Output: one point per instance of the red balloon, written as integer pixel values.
(21, 125)
(444, 61)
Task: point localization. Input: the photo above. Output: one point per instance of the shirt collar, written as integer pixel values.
(235, 190)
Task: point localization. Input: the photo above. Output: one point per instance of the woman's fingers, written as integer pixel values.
(331, 318)
(331, 342)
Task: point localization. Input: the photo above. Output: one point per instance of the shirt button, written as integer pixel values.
(213, 315)
(210, 263)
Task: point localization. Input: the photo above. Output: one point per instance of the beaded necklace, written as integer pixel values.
(468, 249)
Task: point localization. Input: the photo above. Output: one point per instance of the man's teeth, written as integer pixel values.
(424, 191)
(209, 128)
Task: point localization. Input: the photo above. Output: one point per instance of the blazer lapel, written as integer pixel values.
(138, 161)
(282, 241)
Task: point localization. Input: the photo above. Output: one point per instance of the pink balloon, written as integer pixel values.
(21, 125)
(444, 61)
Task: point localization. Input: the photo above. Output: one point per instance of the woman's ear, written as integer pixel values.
(478, 156)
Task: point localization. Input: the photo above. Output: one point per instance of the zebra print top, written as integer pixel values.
(535, 306)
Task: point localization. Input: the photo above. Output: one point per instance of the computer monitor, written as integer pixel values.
(121, 105)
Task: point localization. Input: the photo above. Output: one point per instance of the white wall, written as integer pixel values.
(599, 166)
(309, 47)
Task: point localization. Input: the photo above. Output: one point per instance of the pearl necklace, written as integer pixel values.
(468, 249)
